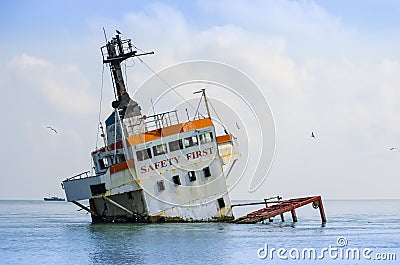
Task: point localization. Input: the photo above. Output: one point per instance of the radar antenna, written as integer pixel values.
(114, 53)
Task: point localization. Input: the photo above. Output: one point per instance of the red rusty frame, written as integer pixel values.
(280, 208)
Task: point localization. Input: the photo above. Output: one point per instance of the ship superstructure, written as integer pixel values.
(153, 168)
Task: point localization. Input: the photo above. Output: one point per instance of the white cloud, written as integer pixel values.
(62, 88)
(25, 61)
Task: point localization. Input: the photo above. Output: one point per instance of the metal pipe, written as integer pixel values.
(230, 168)
(253, 203)
(321, 210)
(117, 204)
(294, 216)
(84, 208)
(282, 217)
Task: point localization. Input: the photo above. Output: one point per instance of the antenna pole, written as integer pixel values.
(105, 35)
(187, 114)
(206, 101)
(203, 93)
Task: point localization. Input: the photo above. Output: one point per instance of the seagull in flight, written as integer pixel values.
(393, 148)
(312, 135)
(54, 130)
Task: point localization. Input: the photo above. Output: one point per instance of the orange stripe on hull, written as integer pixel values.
(224, 138)
(122, 166)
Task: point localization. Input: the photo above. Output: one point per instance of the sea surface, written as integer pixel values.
(38, 232)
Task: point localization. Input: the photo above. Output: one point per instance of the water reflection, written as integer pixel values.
(157, 243)
(116, 244)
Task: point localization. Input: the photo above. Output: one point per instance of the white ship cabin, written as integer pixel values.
(156, 169)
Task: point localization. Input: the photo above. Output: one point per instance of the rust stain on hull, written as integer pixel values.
(154, 219)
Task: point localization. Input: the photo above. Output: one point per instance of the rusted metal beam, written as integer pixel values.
(294, 216)
(253, 203)
(266, 201)
(280, 208)
(321, 210)
(231, 167)
(84, 207)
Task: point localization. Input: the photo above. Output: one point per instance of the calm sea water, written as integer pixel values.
(38, 232)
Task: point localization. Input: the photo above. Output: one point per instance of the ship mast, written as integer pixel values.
(203, 94)
(114, 53)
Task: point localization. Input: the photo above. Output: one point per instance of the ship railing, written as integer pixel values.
(161, 120)
(79, 176)
(126, 48)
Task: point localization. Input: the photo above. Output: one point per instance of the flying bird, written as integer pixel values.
(393, 148)
(54, 130)
(118, 31)
(312, 135)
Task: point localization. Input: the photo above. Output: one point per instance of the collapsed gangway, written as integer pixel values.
(279, 207)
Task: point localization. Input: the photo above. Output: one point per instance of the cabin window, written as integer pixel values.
(175, 145)
(206, 137)
(120, 158)
(159, 149)
(160, 185)
(143, 154)
(103, 163)
(221, 203)
(192, 175)
(98, 189)
(207, 172)
(176, 179)
(190, 141)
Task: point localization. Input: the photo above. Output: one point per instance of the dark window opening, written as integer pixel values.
(143, 154)
(130, 196)
(159, 149)
(103, 163)
(160, 185)
(207, 172)
(98, 189)
(221, 203)
(175, 145)
(192, 176)
(120, 158)
(206, 137)
(176, 180)
(111, 159)
(190, 141)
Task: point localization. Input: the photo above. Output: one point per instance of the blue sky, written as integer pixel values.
(332, 67)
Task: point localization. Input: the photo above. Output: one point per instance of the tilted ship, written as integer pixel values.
(153, 168)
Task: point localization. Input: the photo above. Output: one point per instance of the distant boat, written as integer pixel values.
(54, 199)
